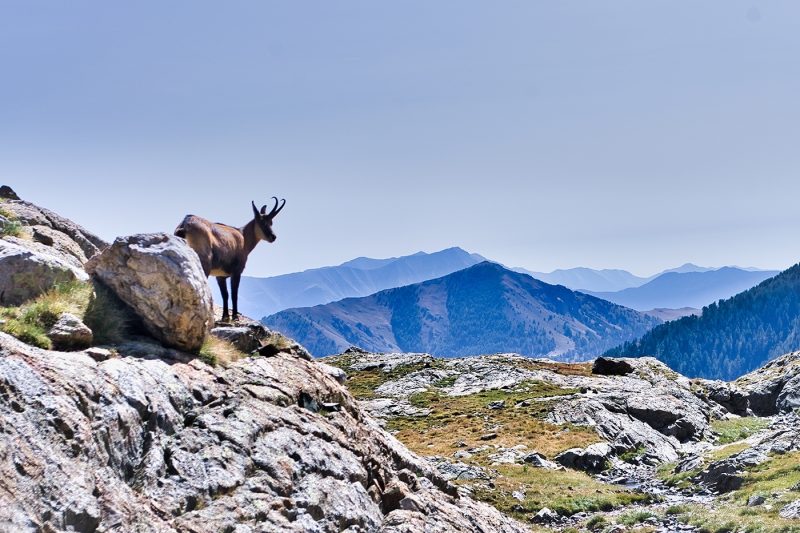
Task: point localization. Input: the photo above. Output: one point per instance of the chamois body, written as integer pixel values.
(223, 249)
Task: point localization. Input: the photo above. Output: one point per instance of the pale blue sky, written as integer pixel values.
(541, 134)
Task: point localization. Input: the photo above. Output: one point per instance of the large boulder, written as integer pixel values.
(25, 273)
(160, 277)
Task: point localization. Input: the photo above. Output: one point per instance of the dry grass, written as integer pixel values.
(565, 369)
(100, 310)
(464, 419)
(219, 352)
(30, 322)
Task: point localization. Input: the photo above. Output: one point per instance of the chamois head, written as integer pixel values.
(264, 220)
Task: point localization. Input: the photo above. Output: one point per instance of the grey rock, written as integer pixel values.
(459, 471)
(545, 515)
(98, 354)
(616, 426)
(70, 333)
(693, 462)
(155, 445)
(506, 456)
(607, 366)
(336, 373)
(593, 458)
(538, 460)
(498, 404)
(773, 388)
(791, 511)
(25, 274)
(755, 500)
(384, 408)
(161, 279)
(8, 193)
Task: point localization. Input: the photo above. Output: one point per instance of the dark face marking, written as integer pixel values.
(265, 223)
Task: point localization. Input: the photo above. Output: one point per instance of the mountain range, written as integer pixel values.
(481, 309)
(673, 290)
(261, 297)
(731, 337)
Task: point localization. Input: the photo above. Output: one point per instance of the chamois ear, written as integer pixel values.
(264, 209)
(255, 209)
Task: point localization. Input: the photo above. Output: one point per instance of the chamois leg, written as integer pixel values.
(235, 279)
(223, 289)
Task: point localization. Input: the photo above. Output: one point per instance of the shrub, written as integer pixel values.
(596, 523)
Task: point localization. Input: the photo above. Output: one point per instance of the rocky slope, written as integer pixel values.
(586, 445)
(153, 440)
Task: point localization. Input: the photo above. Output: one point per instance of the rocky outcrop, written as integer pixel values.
(26, 273)
(161, 279)
(53, 230)
(154, 444)
(774, 388)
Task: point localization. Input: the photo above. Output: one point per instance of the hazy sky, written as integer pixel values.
(541, 134)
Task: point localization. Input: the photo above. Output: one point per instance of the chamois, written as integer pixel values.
(223, 249)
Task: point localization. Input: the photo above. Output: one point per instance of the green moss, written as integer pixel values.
(682, 480)
(736, 429)
(632, 456)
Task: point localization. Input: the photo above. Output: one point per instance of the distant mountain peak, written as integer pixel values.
(484, 308)
(358, 277)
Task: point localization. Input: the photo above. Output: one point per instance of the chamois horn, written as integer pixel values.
(276, 209)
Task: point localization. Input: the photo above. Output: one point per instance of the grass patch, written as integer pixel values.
(217, 351)
(566, 492)
(31, 322)
(597, 523)
(100, 310)
(634, 517)
(466, 418)
(682, 480)
(10, 228)
(632, 456)
(726, 451)
(736, 429)
(565, 369)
